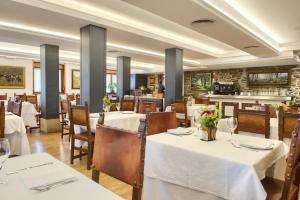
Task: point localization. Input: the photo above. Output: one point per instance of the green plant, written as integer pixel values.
(106, 101)
(112, 87)
(209, 118)
(277, 106)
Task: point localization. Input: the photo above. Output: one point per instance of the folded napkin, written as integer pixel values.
(8, 113)
(265, 145)
(44, 176)
(180, 131)
(128, 112)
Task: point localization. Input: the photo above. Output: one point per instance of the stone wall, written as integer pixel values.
(239, 77)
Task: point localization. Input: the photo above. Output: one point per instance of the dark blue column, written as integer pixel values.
(123, 75)
(173, 75)
(93, 66)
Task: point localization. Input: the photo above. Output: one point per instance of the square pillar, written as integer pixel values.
(123, 75)
(93, 66)
(173, 75)
(49, 56)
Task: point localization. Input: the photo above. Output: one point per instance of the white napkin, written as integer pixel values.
(128, 112)
(180, 131)
(260, 145)
(43, 176)
(8, 113)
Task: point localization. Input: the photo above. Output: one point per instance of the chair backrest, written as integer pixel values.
(120, 154)
(201, 100)
(286, 123)
(294, 109)
(229, 105)
(246, 106)
(254, 121)
(2, 119)
(113, 106)
(79, 115)
(179, 107)
(292, 173)
(33, 100)
(3, 97)
(20, 97)
(70, 97)
(159, 122)
(17, 108)
(64, 106)
(146, 107)
(77, 99)
(127, 104)
(10, 106)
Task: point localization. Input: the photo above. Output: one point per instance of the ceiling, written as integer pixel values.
(143, 29)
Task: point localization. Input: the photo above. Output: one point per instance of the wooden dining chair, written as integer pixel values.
(286, 123)
(120, 154)
(246, 106)
(145, 107)
(17, 108)
(20, 97)
(180, 108)
(294, 109)
(70, 97)
(289, 189)
(2, 119)
(254, 121)
(3, 97)
(65, 127)
(159, 122)
(201, 100)
(113, 106)
(34, 100)
(79, 115)
(77, 97)
(229, 105)
(127, 104)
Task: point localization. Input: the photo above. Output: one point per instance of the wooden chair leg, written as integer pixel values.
(95, 175)
(80, 153)
(62, 131)
(72, 150)
(89, 158)
(137, 193)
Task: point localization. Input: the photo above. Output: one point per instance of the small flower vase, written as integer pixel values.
(209, 133)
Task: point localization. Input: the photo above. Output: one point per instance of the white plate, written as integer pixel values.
(128, 112)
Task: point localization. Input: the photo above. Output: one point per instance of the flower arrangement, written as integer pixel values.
(209, 118)
(277, 106)
(106, 101)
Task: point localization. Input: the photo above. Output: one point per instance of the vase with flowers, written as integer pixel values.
(209, 121)
(277, 107)
(106, 103)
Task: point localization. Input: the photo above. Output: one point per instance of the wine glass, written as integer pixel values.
(197, 117)
(4, 153)
(104, 107)
(232, 125)
(118, 105)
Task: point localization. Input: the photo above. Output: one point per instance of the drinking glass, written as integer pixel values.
(232, 125)
(118, 106)
(104, 108)
(4, 153)
(197, 117)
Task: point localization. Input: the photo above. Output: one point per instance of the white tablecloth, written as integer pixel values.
(28, 114)
(121, 120)
(15, 132)
(187, 168)
(15, 189)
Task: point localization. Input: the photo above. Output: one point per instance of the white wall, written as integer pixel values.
(68, 78)
(28, 64)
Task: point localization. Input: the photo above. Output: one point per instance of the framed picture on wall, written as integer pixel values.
(75, 79)
(201, 80)
(12, 77)
(277, 78)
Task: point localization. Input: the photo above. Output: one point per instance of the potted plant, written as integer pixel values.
(209, 121)
(277, 107)
(106, 103)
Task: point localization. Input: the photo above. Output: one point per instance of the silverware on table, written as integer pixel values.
(46, 187)
(27, 168)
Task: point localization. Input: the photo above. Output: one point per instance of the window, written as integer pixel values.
(37, 78)
(111, 82)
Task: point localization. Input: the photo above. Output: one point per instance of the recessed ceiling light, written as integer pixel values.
(203, 21)
(251, 47)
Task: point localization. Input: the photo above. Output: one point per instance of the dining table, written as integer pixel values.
(42, 177)
(126, 120)
(15, 132)
(185, 167)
